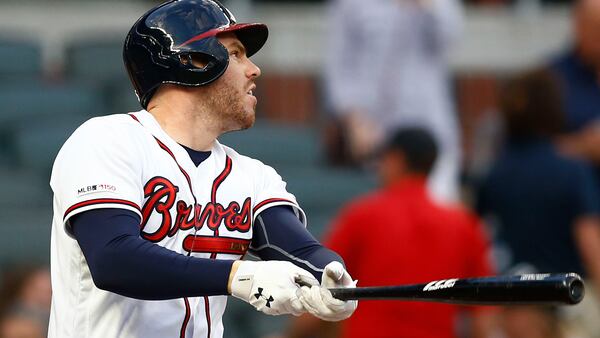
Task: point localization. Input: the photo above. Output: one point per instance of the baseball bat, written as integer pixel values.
(546, 289)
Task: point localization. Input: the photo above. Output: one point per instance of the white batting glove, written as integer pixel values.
(318, 299)
(270, 286)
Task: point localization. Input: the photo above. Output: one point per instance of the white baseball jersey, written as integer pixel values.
(127, 161)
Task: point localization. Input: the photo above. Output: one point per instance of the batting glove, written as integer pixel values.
(270, 286)
(318, 299)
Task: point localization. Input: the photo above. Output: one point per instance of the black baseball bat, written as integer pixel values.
(551, 289)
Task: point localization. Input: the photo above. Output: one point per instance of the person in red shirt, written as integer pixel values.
(399, 235)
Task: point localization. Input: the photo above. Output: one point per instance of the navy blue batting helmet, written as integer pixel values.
(159, 46)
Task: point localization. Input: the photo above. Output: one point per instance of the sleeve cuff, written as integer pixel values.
(272, 202)
(96, 204)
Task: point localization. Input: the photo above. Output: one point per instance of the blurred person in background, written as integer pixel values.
(399, 235)
(25, 298)
(578, 70)
(543, 205)
(21, 324)
(387, 68)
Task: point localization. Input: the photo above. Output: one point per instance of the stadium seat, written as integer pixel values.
(25, 234)
(35, 118)
(325, 188)
(23, 189)
(98, 62)
(123, 99)
(38, 143)
(95, 60)
(276, 144)
(20, 60)
(29, 101)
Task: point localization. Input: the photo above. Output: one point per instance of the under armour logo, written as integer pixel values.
(260, 295)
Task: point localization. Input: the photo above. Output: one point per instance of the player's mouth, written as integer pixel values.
(251, 96)
(251, 90)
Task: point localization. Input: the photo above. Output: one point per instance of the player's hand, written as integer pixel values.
(270, 286)
(318, 300)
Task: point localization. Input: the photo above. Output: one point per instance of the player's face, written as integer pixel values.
(232, 95)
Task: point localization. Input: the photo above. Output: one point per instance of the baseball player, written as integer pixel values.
(152, 215)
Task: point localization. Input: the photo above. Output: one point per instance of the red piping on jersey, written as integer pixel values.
(270, 200)
(186, 319)
(226, 245)
(207, 310)
(165, 148)
(220, 179)
(135, 118)
(217, 182)
(101, 201)
(187, 177)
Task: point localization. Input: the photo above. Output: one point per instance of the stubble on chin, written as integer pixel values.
(228, 106)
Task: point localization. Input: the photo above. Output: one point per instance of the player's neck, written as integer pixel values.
(194, 129)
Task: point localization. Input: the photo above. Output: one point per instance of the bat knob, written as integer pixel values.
(576, 288)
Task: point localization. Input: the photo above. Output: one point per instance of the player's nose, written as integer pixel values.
(253, 71)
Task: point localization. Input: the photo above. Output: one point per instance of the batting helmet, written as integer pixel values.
(159, 46)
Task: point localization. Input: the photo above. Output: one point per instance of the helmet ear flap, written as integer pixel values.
(203, 62)
(196, 62)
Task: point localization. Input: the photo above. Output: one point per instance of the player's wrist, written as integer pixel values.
(242, 279)
(234, 269)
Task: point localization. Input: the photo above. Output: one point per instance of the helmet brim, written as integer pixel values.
(252, 35)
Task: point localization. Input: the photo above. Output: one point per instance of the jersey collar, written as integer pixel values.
(147, 120)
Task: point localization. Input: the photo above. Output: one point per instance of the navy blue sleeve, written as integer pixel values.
(279, 235)
(122, 262)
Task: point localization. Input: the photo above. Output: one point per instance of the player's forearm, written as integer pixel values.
(312, 259)
(122, 262)
(139, 269)
(279, 235)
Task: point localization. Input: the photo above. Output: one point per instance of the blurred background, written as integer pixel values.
(60, 64)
